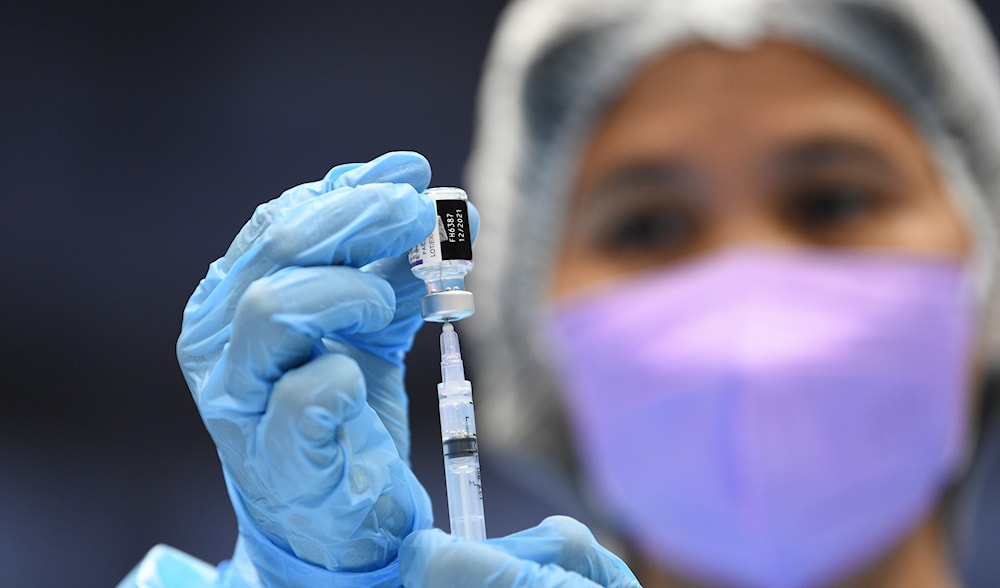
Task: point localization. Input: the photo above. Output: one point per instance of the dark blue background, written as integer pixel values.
(136, 139)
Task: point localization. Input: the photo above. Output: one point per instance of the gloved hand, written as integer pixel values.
(560, 552)
(293, 349)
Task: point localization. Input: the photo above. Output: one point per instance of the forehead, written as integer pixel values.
(708, 100)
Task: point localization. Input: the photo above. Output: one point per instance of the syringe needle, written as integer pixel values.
(452, 367)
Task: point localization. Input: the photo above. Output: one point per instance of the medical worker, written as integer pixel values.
(735, 269)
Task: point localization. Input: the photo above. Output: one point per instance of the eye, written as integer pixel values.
(832, 206)
(643, 211)
(648, 231)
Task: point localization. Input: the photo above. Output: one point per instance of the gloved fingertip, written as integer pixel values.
(474, 221)
(578, 542)
(565, 526)
(421, 539)
(380, 304)
(559, 527)
(336, 172)
(416, 552)
(571, 545)
(324, 392)
(394, 167)
(317, 425)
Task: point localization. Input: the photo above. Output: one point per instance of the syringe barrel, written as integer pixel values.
(461, 460)
(457, 417)
(465, 497)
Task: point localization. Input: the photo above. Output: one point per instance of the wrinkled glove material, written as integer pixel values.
(293, 349)
(558, 553)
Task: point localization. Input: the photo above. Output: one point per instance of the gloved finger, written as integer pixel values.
(395, 167)
(432, 558)
(386, 391)
(569, 544)
(473, 221)
(320, 446)
(348, 226)
(281, 319)
(296, 437)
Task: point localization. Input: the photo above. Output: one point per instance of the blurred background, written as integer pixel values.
(136, 139)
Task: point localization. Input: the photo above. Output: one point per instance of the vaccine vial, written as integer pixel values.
(444, 258)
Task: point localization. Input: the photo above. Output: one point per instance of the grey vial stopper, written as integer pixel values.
(447, 306)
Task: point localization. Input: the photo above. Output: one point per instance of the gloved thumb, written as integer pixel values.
(433, 558)
(568, 543)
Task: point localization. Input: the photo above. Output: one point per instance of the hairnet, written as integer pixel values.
(556, 64)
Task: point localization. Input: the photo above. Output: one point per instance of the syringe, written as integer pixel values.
(461, 451)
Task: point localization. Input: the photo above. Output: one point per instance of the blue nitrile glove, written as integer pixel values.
(293, 348)
(560, 552)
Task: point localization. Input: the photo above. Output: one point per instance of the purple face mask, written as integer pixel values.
(768, 418)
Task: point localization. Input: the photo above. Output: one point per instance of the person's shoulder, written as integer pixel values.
(164, 566)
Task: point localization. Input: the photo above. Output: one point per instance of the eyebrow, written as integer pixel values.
(647, 174)
(829, 152)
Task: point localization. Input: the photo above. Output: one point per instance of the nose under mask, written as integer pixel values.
(766, 418)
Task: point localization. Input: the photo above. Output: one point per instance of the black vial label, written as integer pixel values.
(456, 238)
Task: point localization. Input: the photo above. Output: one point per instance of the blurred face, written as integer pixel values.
(710, 148)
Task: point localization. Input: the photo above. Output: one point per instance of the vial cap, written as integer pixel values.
(447, 306)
